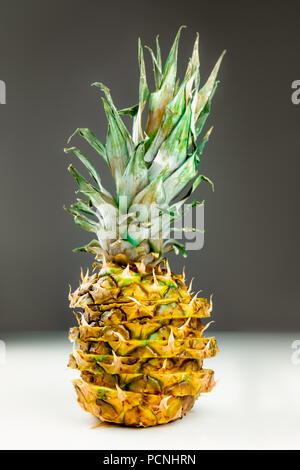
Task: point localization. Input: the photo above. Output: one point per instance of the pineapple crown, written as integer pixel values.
(150, 167)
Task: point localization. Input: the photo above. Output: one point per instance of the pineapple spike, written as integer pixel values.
(208, 345)
(155, 279)
(86, 276)
(103, 259)
(121, 394)
(126, 272)
(141, 267)
(195, 296)
(83, 321)
(207, 325)
(171, 341)
(163, 405)
(70, 292)
(190, 286)
(186, 324)
(135, 300)
(116, 361)
(77, 318)
(159, 269)
(169, 273)
(210, 303)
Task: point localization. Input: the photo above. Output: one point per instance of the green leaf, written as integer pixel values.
(153, 193)
(129, 111)
(91, 247)
(135, 177)
(156, 69)
(97, 198)
(173, 150)
(143, 201)
(158, 53)
(91, 169)
(196, 183)
(178, 180)
(106, 209)
(205, 94)
(204, 141)
(92, 139)
(173, 112)
(193, 69)
(111, 110)
(202, 178)
(119, 144)
(83, 221)
(171, 62)
(117, 150)
(159, 100)
(175, 208)
(204, 114)
(176, 246)
(137, 132)
(83, 206)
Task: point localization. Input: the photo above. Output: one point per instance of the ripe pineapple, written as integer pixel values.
(140, 344)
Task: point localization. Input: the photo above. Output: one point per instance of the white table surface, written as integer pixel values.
(255, 405)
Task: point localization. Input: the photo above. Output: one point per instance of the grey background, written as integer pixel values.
(51, 51)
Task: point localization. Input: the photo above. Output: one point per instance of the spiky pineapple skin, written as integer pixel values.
(140, 345)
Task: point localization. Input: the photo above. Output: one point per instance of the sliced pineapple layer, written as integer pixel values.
(130, 365)
(198, 348)
(116, 295)
(129, 408)
(115, 283)
(140, 346)
(159, 350)
(120, 312)
(131, 331)
(176, 384)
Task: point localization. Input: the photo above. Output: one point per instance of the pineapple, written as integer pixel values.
(139, 343)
